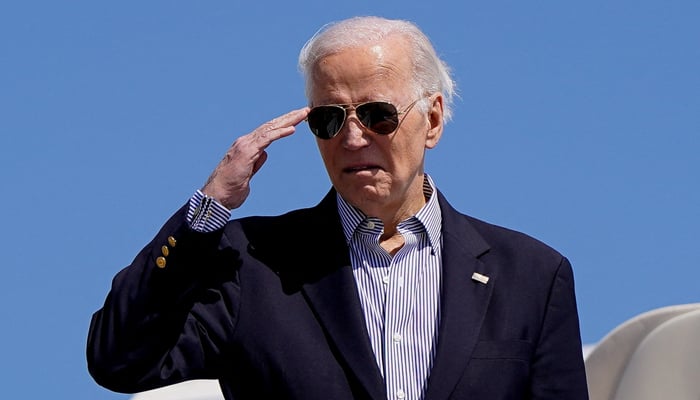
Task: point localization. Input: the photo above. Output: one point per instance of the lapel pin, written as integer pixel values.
(480, 278)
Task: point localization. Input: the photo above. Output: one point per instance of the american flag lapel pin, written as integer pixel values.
(480, 278)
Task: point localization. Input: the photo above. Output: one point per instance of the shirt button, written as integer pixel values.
(400, 394)
(397, 337)
(370, 225)
(385, 279)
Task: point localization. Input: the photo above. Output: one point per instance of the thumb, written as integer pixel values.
(259, 162)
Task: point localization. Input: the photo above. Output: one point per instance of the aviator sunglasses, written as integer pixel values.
(380, 117)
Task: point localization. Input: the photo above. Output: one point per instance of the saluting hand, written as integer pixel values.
(229, 184)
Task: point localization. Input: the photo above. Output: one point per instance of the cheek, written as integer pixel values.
(322, 148)
(415, 137)
(408, 150)
(326, 151)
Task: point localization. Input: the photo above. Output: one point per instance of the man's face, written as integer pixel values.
(380, 174)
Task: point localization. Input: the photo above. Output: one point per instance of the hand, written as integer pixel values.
(229, 184)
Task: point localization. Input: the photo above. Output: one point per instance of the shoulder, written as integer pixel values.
(303, 220)
(500, 246)
(525, 270)
(502, 239)
(295, 229)
(299, 246)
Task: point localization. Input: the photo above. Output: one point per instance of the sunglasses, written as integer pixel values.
(380, 117)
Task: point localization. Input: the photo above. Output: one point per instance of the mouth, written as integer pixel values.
(361, 168)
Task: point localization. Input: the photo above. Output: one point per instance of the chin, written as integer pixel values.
(366, 197)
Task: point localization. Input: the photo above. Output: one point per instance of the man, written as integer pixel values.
(382, 291)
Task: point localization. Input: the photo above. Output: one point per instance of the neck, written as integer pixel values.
(393, 214)
(391, 240)
(392, 244)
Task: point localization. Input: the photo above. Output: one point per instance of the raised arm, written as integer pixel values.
(164, 319)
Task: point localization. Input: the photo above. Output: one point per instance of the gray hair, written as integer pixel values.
(430, 73)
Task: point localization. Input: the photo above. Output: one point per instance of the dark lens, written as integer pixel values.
(326, 121)
(380, 117)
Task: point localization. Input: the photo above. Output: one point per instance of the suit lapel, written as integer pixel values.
(334, 300)
(464, 301)
(332, 294)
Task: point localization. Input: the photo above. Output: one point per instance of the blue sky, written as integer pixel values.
(577, 122)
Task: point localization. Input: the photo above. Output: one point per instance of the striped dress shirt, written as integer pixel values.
(400, 294)
(205, 214)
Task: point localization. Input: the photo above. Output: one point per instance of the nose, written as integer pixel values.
(353, 134)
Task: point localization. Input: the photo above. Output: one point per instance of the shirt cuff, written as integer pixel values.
(205, 214)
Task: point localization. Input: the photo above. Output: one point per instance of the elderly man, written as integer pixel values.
(381, 291)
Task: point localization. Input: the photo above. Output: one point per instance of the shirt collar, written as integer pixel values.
(429, 216)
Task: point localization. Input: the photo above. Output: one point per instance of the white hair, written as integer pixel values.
(430, 73)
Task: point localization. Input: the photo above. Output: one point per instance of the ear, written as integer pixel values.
(435, 120)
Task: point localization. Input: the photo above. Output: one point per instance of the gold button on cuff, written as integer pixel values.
(165, 250)
(171, 241)
(160, 262)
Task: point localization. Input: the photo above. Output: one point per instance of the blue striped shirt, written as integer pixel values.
(400, 295)
(205, 214)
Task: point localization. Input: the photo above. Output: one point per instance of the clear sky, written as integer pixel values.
(577, 122)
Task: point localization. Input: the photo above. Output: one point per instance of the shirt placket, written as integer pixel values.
(398, 308)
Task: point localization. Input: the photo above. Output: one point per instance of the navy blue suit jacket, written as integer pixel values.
(269, 307)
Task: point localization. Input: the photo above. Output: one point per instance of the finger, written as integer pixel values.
(279, 127)
(291, 118)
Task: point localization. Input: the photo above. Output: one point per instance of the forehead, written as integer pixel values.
(381, 70)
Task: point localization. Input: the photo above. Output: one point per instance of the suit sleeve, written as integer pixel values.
(558, 369)
(165, 316)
